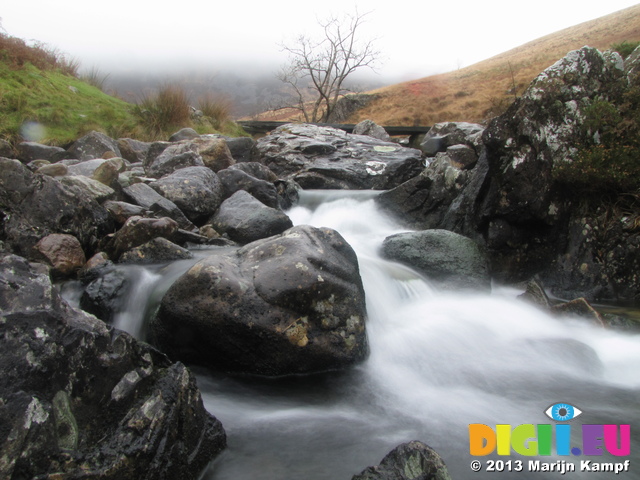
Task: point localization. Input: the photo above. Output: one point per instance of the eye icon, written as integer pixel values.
(562, 412)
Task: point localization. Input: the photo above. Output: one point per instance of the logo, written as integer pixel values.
(551, 439)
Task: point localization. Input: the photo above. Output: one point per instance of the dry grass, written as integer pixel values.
(16, 53)
(484, 90)
(166, 110)
(216, 109)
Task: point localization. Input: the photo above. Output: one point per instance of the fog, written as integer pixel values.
(242, 41)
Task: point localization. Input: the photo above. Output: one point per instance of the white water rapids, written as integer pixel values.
(438, 362)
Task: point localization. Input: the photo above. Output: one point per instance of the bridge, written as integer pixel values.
(256, 127)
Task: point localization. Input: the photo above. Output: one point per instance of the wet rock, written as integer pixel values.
(184, 134)
(122, 211)
(91, 188)
(63, 252)
(536, 295)
(94, 145)
(371, 129)
(462, 156)
(409, 461)
(235, 179)
(34, 206)
(255, 169)
(425, 200)
(245, 219)
(172, 158)
(86, 401)
(104, 290)
(29, 151)
(579, 307)
(292, 303)
(454, 261)
(240, 148)
(137, 231)
(145, 196)
(543, 128)
(197, 191)
(53, 170)
(444, 135)
(323, 157)
(132, 150)
(158, 250)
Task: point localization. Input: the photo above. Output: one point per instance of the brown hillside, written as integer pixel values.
(482, 90)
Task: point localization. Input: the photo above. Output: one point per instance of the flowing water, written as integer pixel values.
(439, 361)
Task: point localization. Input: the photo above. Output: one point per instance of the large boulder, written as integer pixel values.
(143, 195)
(245, 219)
(137, 231)
(172, 158)
(211, 152)
(29, 151)
(33, 206)
(82, 400)
(323, 157)
(290, 304)
(523, 211)
(409, 461)
(454, 261)
(235, 179)
(197, 191)
(425, 200)
(94, 145)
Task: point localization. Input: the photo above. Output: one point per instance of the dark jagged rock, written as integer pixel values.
(29, 151)
(121, 211)
(104, 290)
(292, 303)
(145, 196)
(454, 261)
(34, 206)
(81, 400)
(132, 150)
(444, 135)
(323, 157)
(425, 200)
(245, 219)
(196, 191)
(409, 461)
(172, 158)
(158, 250)
(257, 170)
(94, 145)
(235, 179)
(137, 231)
(371, 129)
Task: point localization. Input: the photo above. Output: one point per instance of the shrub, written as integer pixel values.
(168, 109)
(624, 48)
(216, 109)
(611, 164)
(95, 78)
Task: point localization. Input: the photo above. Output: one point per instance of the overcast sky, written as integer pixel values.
(416, 38)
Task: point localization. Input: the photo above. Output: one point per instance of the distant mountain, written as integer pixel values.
(483, 90)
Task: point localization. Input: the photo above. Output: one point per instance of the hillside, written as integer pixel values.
(483, 90)
(49, 106)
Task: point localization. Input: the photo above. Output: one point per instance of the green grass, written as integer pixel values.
(64, 106)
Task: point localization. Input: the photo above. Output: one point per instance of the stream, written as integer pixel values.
(439, 361)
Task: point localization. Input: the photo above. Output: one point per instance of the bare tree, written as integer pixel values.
(317, 69)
